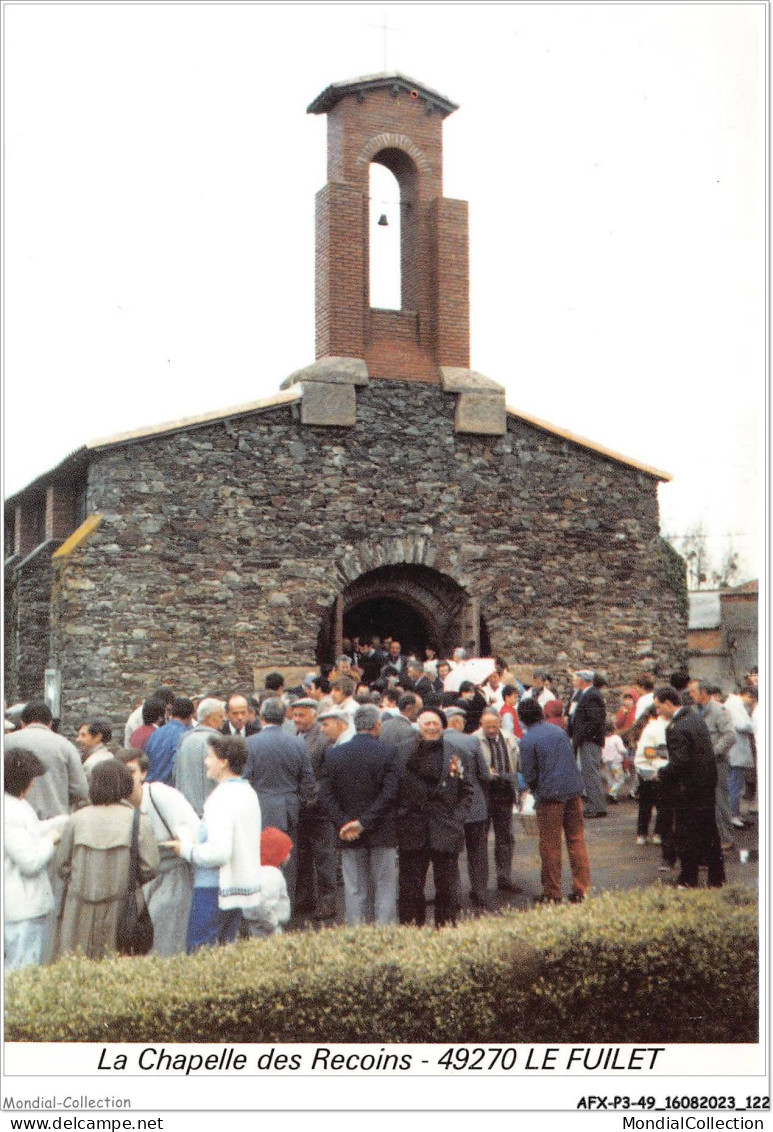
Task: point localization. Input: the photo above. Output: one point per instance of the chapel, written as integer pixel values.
(385, 488)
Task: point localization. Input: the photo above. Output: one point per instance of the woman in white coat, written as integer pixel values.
(229, 842)
(29, 845)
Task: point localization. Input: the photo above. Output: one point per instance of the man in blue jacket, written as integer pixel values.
(548, 764)
(358, 788)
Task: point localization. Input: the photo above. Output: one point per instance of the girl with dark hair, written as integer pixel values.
(29, 845)
(93, 859)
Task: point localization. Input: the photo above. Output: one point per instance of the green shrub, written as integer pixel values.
(643, 966)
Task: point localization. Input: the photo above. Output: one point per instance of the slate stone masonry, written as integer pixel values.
(222, 547)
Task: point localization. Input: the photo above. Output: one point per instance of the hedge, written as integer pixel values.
(642, 966)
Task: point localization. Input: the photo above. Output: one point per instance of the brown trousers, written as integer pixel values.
(552, 817)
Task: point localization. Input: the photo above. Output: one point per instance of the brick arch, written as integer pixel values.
(396, 576)
(409, 550)
(402, 142)
(433, 596)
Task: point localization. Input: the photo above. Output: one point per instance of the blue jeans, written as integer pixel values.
(370, 884)
(735, 784)
(208, 923)
(24, 942)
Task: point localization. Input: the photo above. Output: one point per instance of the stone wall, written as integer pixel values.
(10, 635)
(30, 594)
(221, 548)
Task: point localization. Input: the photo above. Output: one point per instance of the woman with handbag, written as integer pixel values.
(168, 896)
(95, 859)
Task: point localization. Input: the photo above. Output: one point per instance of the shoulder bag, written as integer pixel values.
(135, 927)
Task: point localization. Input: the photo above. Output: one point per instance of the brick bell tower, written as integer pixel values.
(398, 123)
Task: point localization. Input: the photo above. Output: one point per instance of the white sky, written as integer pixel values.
(160, 173)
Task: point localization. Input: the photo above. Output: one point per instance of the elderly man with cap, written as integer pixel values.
(317, 841)
(336, 726)
(359, 791)
(477, 820)
(586, 729)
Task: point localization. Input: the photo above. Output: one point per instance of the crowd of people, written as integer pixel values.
(238, 815)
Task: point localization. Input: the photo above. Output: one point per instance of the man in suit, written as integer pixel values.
(721, 728)
(279, 770)
(395, 658)
(690, 777)
(477, 821)
(400, 727)
(500, 753)
(586, 724)
(358, 789)
(236, 717)
(317, 838)
(371, 662)
(423, 684)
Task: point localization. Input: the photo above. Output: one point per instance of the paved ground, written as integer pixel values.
(617, 862)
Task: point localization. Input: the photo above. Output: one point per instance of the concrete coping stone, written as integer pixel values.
(457, 379)
(332, 371)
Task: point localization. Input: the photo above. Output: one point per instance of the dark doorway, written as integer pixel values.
(415, 604)
(388, 617)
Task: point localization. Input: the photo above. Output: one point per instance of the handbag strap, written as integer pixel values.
(155, 807)
(134, 852)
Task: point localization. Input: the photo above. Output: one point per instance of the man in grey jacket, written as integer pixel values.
(190, 777)
(400, 727)
(723, 737)
(476, 822)
(64, 785)
(279, 770)
(500, 753)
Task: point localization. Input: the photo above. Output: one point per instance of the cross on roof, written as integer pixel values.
(386, 29)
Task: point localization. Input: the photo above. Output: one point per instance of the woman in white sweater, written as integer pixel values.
(229, 841)
(29, 846)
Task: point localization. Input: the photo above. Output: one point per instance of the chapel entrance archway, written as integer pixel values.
(414, 604)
